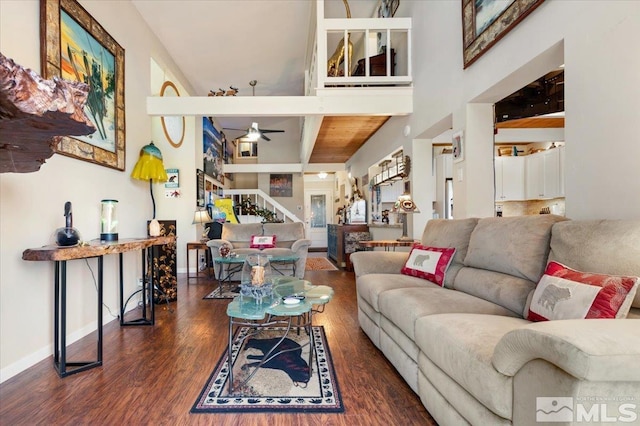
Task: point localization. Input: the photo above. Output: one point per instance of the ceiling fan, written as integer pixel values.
(254, 133)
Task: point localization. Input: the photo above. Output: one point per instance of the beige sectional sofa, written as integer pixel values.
(466, 348)
(290, 240)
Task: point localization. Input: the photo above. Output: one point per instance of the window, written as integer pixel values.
(246, 149)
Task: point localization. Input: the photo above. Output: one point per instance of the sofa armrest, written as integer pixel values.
(300, 244)
(378, 262)
(593, 349)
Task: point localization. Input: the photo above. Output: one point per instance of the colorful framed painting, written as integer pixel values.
(74, 46)
(212, 150)
(281, 185)
(484, 22)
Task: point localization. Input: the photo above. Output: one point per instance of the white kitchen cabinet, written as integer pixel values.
(543, 175)
(510, 178)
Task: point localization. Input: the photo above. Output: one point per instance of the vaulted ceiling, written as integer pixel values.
(222, 43)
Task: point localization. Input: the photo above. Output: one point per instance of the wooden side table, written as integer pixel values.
(197, 246)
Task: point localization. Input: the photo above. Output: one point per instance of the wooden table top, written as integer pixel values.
(94, 248)
(387, 243)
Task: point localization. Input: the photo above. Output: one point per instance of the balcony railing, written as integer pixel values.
(381, 52)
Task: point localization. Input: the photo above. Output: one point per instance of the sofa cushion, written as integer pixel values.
(239, 235)
(450, 233)
(564, 293)
(462, 346)
(603, 246)
(517, 246)
(430, 263)
(287, 233)
(403, 306)
(370, 286)
(502, 289)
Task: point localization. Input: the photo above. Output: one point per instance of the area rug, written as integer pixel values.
(228, 292)
(319, 264)
(282, 384)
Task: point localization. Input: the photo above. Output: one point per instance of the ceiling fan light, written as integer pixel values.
(322, 175)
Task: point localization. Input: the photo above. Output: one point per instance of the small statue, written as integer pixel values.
(385, 216)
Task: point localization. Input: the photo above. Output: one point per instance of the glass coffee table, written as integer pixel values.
(235, 263)
(277, 309)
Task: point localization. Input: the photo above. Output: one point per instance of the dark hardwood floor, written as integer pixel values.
(153, 375)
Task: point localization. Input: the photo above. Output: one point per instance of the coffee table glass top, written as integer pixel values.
(248, 308)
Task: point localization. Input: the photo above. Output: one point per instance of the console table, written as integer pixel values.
(93, 249)
(387, 244)
(336, 242)
(197, 246)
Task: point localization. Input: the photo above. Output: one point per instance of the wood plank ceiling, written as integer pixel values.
(532, 123)
(341, 136)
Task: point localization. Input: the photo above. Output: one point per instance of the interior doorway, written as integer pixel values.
(318, 211)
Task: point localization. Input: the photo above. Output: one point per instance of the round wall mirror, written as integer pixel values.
(173, 127)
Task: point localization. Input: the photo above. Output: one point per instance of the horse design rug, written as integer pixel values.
(282, 384)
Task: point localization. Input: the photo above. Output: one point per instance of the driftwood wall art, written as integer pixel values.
(34, 114)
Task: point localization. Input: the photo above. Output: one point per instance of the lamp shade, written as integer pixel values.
(201, 216)
(405, 204)
(150, 165)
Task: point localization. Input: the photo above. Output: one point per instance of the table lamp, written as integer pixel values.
(403, 206)
(150, 167)
(202, 216)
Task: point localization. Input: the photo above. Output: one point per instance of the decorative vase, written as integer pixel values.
(256, 279)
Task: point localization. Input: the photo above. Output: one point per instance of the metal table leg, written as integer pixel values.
(60, 323)
(146, 290)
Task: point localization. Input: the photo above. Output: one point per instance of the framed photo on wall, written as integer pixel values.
(484, 22)
(457, 142)
(200, 188)
(75, 47)
(281, 185)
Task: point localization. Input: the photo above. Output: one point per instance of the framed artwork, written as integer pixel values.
(200, 188)
(212, 150)
(173, 178)
(484, 22)
(281, 185)
(457, 142)
(172, 126)
(74, 46)
(386, 8)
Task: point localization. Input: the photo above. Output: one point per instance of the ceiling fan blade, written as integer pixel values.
(271, 131)
(229, 128)
(264, 137)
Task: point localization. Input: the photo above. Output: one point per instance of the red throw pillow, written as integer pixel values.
(263, 241)
(430, 263)
(564, 293)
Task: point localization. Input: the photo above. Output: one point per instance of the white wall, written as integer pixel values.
(596, 40)
(32, 205)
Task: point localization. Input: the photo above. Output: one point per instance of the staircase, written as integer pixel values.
(262, 202)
